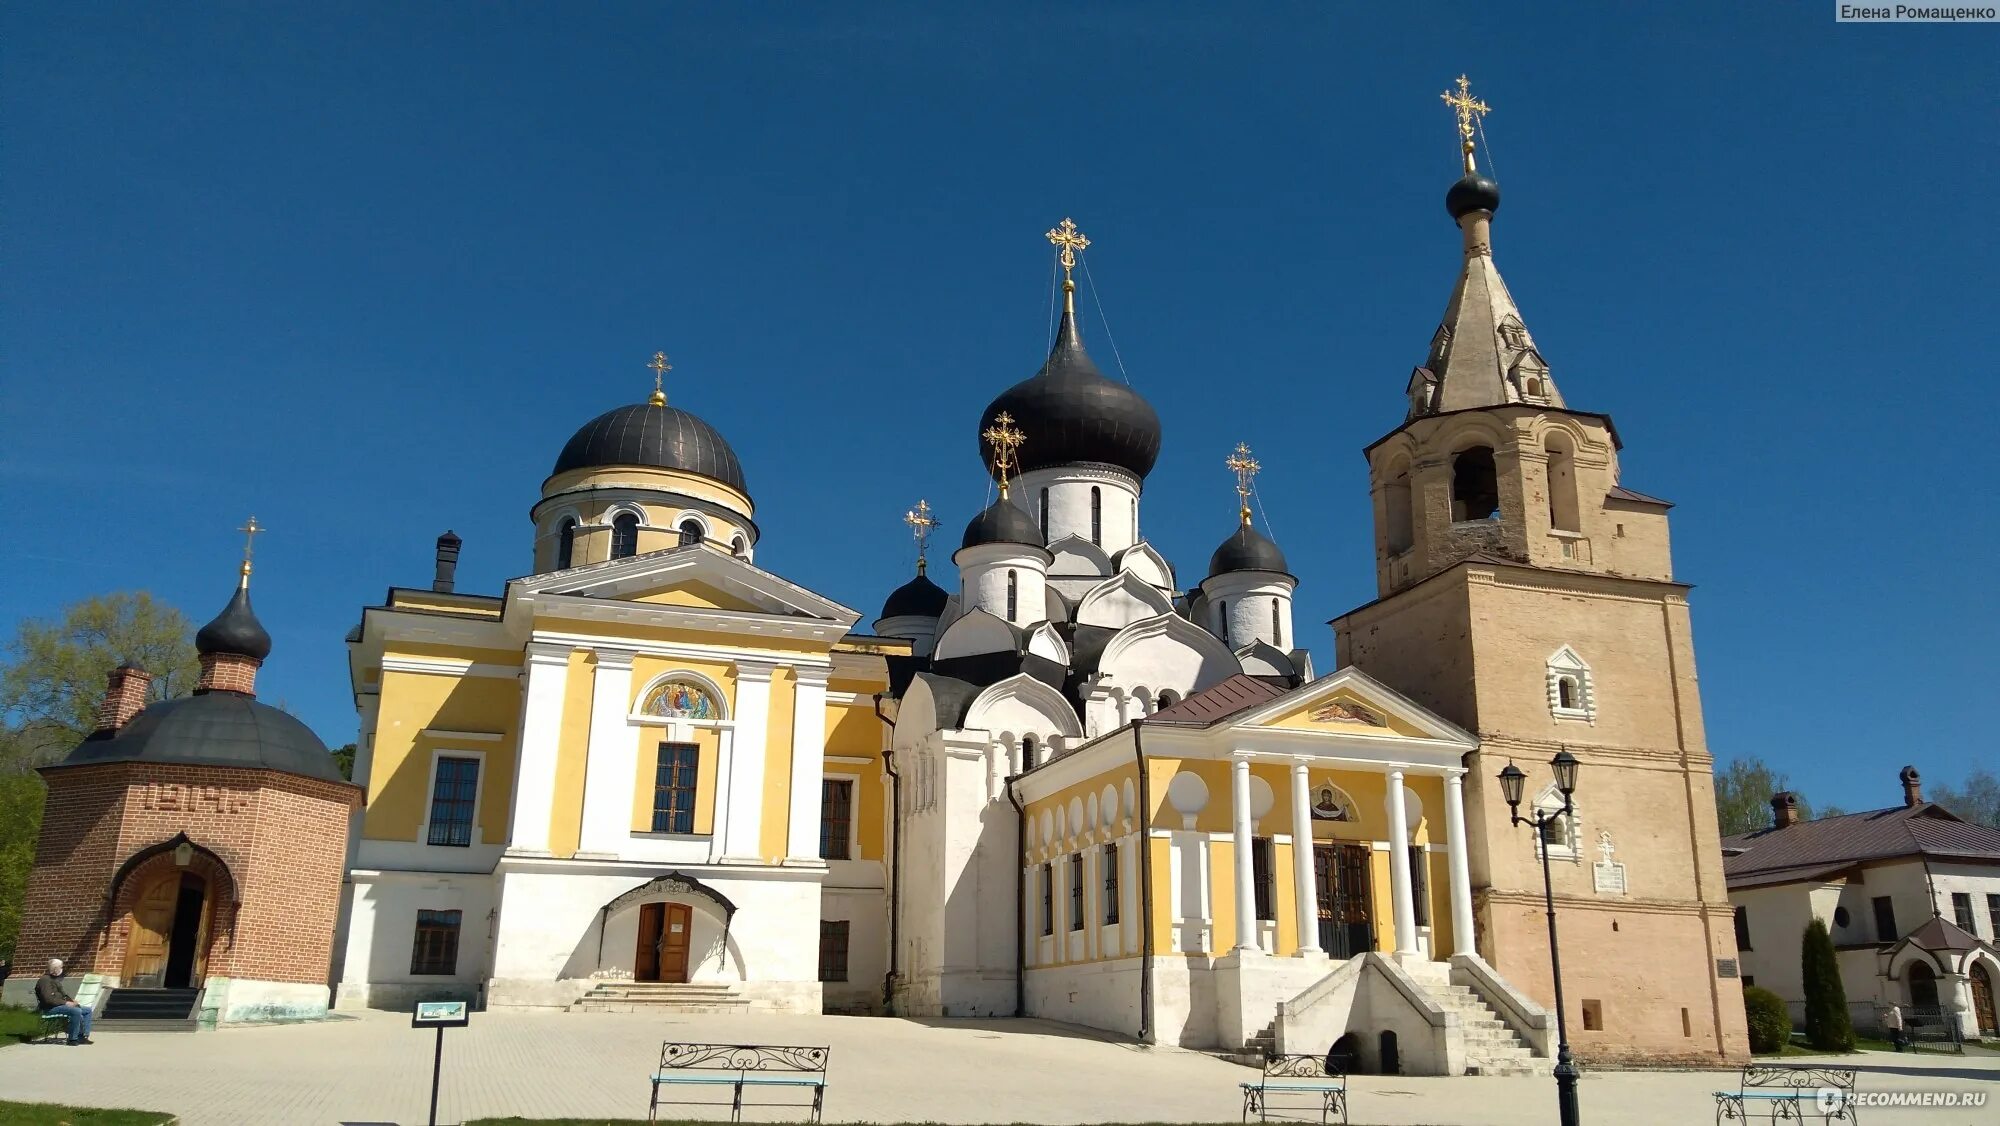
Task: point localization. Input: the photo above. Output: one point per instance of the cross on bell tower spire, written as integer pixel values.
(1469, 110)
(1068, 241)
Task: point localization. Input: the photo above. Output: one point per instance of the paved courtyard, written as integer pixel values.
(375, 1069)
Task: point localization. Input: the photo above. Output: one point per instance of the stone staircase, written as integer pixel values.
(149, 1010)
(1491, 1048)
(658, 996)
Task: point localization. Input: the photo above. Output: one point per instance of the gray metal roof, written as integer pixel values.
(212, 729)
(1811, 849)
(661, 437)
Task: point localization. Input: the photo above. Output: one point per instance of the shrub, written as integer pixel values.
(1770, 1024)
(1828, 1028)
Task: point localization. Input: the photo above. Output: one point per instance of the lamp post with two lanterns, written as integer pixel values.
(1511, 781)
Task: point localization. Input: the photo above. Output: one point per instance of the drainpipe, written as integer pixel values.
(1020, 902)
(895, 856)
(1144, 816)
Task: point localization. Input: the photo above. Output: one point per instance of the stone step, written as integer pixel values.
(142, 1024)
(630, 1007)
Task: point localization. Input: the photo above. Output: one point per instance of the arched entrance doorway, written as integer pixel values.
(1923, 988)
(1982, 1001)
(168, 943)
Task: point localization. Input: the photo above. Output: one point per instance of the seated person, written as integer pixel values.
(56, 1001)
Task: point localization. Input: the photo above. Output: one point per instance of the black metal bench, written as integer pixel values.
(1789, 1094)
(755, 1067)
(1303, 1077)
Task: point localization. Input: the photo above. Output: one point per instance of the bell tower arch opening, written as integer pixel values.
(1475, 485)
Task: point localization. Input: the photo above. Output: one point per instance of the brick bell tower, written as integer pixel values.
(1528, 596)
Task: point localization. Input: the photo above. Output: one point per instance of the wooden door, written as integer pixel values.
(646, 963)
(152, 923)
(1982, 1002)
(674, 942)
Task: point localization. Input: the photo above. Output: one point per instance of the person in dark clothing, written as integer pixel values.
(55, 1001)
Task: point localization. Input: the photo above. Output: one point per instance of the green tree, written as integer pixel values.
(343, 757)
(1828, 1028)
(51, 681)
(52, 671)
(1743, 796)
(1977, 799)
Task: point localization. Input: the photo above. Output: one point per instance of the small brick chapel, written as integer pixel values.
(191, 850)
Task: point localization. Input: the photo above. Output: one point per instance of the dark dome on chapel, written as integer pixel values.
(212, 729)
(1002, 522)
(662, 437)
(1472, 192)
(918, 598)
(1072, 414)
(235, 630)
(1247, 550)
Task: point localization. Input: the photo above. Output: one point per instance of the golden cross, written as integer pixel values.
(1245, 468)
(1005, 440)
(660, 368)
(1469, 110)
(1068, 240)
(249, 531)
(921, 522)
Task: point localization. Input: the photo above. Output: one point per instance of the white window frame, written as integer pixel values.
(1566, 664)
(430, 797)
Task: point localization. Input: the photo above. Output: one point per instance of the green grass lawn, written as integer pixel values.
(49, 1114)
(18, 1024)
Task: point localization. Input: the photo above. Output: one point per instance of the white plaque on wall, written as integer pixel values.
(1607, 876)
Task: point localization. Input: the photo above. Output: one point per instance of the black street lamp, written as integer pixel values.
(1511, 781)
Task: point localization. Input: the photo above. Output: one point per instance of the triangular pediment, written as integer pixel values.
(1350, 702)
(692, 577)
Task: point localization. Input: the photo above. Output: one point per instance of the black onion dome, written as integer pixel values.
(918, 598)
(1472, 192)
(1247, 550)
(1002, 522)
(235, 630)
(660, 437)
(1072, 414)
(212, 729)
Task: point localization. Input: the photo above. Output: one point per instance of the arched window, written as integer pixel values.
(1277, 626)
(1027, 752)
(566, 543)
(1566, 693)
(739, 547)
(1396, 513)
(1169, 698)
(1097, 516)
(1222, 619)
(1475, 489)
(691, 532)
(1563, 506)
(1045, 513)
(1013, 595)
(1534, 387)
(624, 535)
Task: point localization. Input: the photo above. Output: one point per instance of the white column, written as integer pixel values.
(612, 768)
(1246, 894)
(808, 761)
(1399, 867)
(1461, 871)
(1304, 886)
(544, 679)
(742, 821)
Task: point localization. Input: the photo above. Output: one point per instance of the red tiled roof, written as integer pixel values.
(1212, 704)
(1814, 848)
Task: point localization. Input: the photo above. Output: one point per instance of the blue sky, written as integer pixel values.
(360, 269)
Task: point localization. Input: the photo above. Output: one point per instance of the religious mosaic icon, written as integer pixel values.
(679, 699)
(1352, 713)
(1327, 805)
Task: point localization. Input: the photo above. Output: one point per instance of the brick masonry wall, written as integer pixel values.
(279, 844)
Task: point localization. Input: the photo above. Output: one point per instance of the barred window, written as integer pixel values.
(836, 818)
(690, 532)
(452, 797)
(1261, 881)
(1420, 885)
(1097, 516)
(566, 544)
(1110, 883)
(673, 787)
(1076, 892)
(624, 535)
(435, 952)
(833, 950)
(1048, 900)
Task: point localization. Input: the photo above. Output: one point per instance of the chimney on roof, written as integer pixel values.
(124, 697)
(1913, 786)
(1784, 809)
(447, 563)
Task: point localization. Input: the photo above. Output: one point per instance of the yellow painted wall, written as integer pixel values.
(1302, 719)
(699, 595)
(572, 754)
(399, 781)
(854, 731)
(776, 827)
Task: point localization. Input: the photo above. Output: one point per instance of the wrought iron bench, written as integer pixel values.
(1296, 1076)
(1789, 1094)
(757, 1067)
